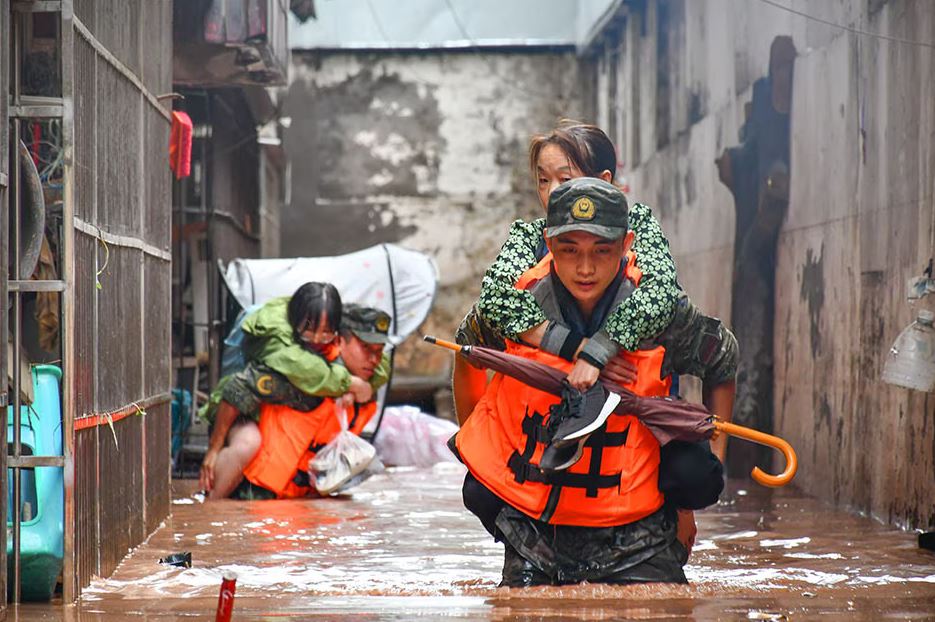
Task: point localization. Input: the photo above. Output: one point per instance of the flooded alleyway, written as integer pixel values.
(402, 547)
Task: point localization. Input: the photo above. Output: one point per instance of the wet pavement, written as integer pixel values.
(401, 547)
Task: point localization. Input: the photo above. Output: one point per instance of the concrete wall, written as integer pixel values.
(272, 179)
(860, 220)
(427, 150)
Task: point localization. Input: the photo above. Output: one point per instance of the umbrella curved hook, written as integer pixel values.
(760, 476)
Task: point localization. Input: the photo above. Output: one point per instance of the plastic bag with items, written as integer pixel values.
(344, 462)
(375, 467)
(410, 437)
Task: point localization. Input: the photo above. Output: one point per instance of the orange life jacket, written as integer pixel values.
(292, 437)
(616, 480)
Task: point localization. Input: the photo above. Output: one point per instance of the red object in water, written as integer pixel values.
(226, 597)
(180, 145)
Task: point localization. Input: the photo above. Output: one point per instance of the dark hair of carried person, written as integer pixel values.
(308, 302)
(587, 146)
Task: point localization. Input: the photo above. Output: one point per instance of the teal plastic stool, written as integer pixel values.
(42, 508)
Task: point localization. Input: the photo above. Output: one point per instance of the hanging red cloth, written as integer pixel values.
(180, 145)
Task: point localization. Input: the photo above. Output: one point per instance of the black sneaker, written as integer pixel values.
(585, 416)
(558, 458)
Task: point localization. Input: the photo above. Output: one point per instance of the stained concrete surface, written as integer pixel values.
(402, 547)
(860, 221)
(426, 150)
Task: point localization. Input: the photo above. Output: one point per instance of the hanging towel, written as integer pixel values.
(180, 145)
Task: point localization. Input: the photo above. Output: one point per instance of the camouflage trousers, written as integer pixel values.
(538, 553)
(645, 551)
(255, 385)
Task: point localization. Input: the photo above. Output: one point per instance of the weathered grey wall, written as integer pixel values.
(427, 150)
(860, 219)
(860, 224)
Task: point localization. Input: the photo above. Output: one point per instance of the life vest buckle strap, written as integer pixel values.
(589, 481)
(524, 471)
(535, 430)
(608, 439)
(518, 466)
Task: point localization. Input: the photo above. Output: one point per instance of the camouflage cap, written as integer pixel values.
(369, 324)
(587, 204)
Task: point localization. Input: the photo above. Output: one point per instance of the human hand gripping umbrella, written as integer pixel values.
(668, 419)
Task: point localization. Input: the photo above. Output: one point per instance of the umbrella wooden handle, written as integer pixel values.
(441, 342)
(760, 476)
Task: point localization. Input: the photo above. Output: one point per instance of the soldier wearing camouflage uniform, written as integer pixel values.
(690, 476)
(282, 367)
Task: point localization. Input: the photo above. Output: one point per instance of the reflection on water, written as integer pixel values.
(402, 547)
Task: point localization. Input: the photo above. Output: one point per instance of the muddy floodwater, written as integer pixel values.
(402, 547)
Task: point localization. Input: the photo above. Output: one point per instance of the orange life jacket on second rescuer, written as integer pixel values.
(616, 480)
(292, 437)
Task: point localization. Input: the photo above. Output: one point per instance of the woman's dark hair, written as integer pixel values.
(309, 301)
(587, 146)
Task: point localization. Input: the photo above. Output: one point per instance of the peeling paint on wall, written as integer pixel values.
(373, 132)
(427, 150)
(813, 293)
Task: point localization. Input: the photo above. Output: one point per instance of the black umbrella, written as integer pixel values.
(668, 419)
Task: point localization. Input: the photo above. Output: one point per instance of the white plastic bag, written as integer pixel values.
(345, 458)
(410, 437)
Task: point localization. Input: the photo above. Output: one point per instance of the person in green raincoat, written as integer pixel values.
(289, 348)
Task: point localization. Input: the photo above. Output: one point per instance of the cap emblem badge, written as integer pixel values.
(583, 209)
(383, 323)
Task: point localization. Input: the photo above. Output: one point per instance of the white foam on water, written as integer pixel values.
(888, 579)
(814, 555)
(772, 578)
(816, 577)
(448, 467)
(736, 536)
(432, 515)
(788, 543)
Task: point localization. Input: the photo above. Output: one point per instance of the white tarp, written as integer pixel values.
(369, 277)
